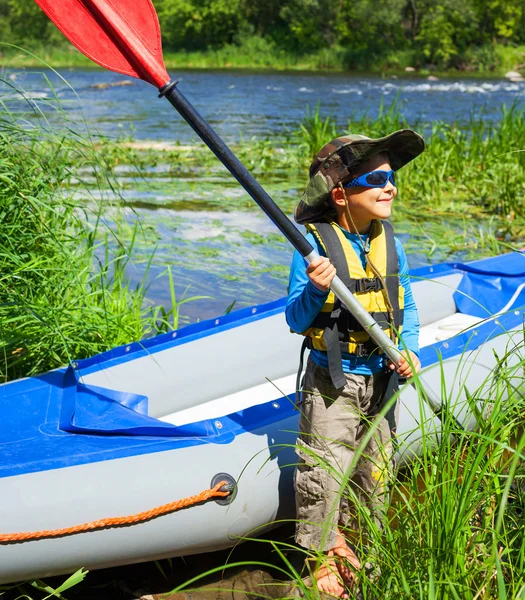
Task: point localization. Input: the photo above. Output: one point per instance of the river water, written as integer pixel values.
(245, 103)
(233, 256)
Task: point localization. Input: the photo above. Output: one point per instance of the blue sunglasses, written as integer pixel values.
(374, 179)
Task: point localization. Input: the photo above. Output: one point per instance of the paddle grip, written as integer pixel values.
(236, 168)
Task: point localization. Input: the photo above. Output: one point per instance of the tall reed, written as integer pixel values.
(64, 290)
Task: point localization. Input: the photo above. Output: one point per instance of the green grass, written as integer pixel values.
(64, 290)
(260, 53)
(44, 591)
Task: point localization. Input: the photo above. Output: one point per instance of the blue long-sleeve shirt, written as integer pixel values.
(305, 301)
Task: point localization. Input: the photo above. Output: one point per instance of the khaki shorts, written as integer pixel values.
(331, 427)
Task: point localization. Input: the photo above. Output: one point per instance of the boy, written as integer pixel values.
(351, 190)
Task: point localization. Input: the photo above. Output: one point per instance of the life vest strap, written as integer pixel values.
(372, 284)
(333, 351)
(350, 323)
(362, 349)
(392, 269)
(307, 343)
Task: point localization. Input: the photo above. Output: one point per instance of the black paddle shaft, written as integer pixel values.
(235, 167)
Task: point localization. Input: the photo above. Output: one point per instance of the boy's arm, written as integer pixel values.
(304, 299)
(410, 334)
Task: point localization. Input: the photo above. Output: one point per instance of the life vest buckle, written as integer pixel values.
(369, 284)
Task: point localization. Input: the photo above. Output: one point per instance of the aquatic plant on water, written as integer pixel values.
(476, 167)
(461, 199)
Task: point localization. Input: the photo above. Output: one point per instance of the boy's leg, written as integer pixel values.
(371, 481)
(328, 426)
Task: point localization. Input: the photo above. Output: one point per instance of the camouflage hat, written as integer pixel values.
(338, 160)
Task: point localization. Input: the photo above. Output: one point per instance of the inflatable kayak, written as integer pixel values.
(162, 420)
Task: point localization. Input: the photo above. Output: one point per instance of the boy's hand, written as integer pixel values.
(321, 272)
(405, 368)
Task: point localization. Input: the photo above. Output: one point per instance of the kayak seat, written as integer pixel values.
(445, 328)
(435, 297)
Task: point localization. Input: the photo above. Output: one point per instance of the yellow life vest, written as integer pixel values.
(365, 286)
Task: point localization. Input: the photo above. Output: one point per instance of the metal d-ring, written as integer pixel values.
(230, 486)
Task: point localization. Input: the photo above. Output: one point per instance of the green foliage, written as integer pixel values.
(46, 592)
(24, 23)
(311, 23)
(437, 34)
(199, 23)
(341, 34)
(370, 30)
(503, 19)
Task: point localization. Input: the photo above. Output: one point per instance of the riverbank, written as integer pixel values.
(257, 55)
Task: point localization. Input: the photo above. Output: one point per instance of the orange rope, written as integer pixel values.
(117, 521)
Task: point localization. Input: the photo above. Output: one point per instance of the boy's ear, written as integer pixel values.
(338, 196)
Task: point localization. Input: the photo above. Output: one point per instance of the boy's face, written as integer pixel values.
(372, 203)
(366, 204)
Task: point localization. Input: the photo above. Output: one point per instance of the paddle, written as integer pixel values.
(124, 36)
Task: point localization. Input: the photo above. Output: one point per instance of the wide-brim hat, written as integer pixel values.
(337, 161)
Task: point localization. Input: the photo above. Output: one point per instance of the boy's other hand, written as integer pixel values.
(321, 272)
(405, 368)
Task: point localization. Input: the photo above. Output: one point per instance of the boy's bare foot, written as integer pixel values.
(327, 577)
(347, 561)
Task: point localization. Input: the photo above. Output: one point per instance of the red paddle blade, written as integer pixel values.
(119, 35)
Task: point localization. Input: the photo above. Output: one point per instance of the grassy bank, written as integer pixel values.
(63, 290)
(258, 54)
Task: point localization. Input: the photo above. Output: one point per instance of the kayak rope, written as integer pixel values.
(215, 492)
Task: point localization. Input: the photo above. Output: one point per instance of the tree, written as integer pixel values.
(501, 20)
(198, 24)
(28, 24)
(447, 29)
(373, 27)
(311, 23)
